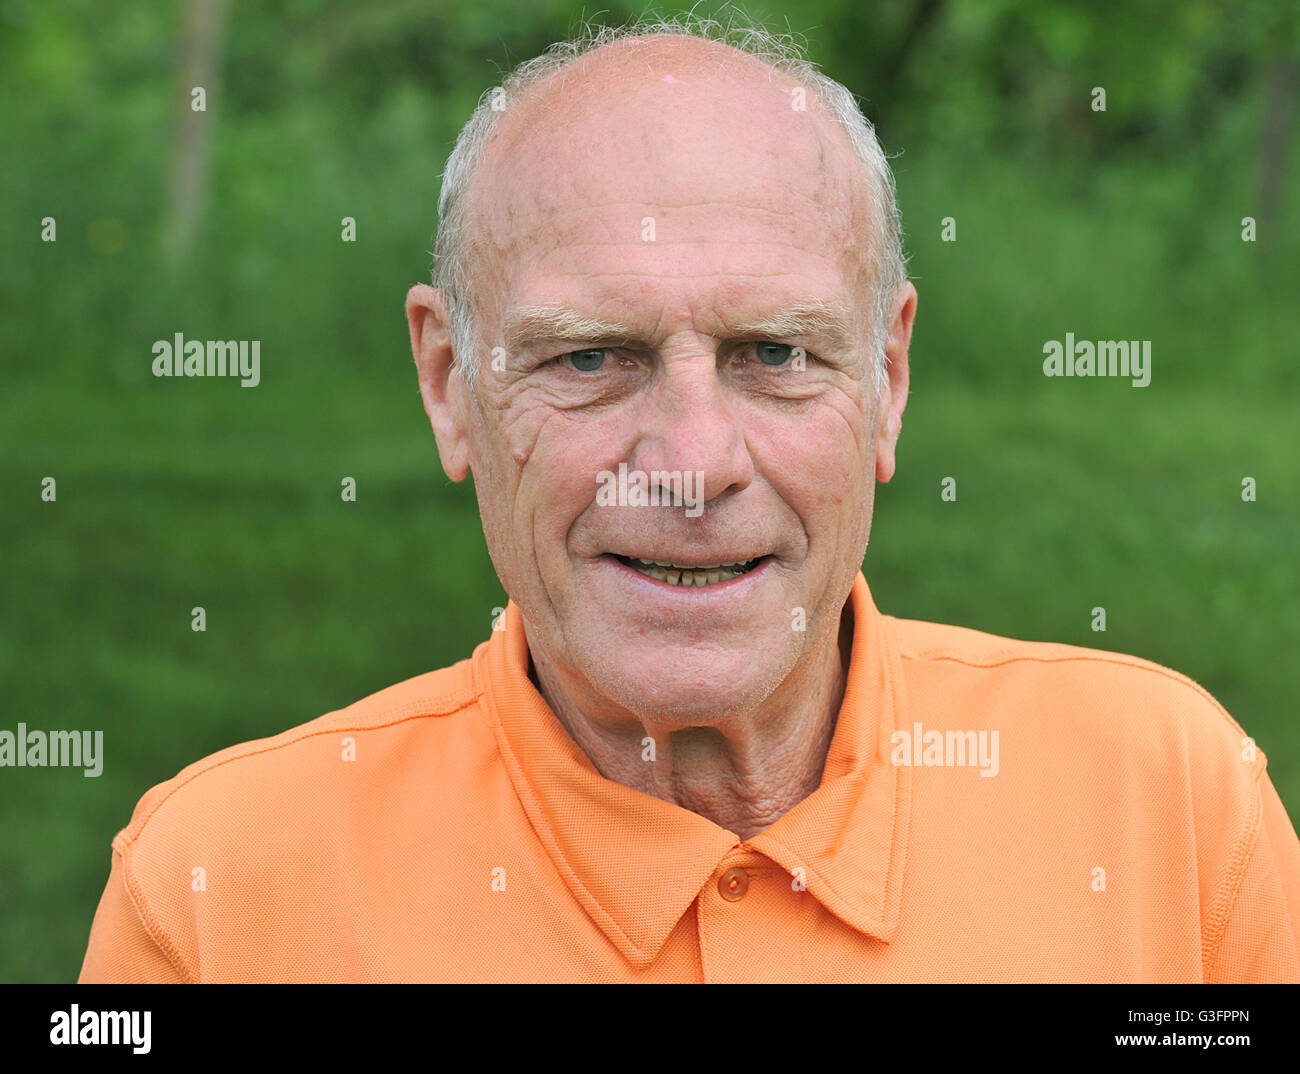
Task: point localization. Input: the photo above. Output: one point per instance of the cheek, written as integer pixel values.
(817, 461)
(557, 483)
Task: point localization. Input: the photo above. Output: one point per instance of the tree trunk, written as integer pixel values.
(199, 67)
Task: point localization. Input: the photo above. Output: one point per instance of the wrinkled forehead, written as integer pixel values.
(729, 152)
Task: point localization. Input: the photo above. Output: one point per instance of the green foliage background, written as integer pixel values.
(173, 493)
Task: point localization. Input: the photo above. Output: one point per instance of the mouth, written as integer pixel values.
(688, 576)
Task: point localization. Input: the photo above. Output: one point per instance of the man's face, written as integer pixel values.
(686, 206)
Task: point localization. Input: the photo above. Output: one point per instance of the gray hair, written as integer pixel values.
(780, 52)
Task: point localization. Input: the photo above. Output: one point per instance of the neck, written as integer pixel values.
(742, 771)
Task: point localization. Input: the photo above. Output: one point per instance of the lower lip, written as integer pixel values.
(729, 587)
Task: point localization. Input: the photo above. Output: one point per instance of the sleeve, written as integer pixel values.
(122, 950)
(1260, 942)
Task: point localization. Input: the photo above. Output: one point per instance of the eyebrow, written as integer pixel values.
(531, 324)
(830, 323)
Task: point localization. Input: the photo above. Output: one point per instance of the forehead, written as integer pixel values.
(644, 164)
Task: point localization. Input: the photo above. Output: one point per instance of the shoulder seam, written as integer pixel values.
(412, 710)
(149, 920)
(1134, 663)
(1225, 901)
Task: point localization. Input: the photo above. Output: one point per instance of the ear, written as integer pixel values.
(441, 386)
(894, 396)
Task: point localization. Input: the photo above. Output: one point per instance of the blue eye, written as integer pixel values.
(773, 353)
(587, 361)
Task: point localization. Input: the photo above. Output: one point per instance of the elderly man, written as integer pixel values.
(670, 343)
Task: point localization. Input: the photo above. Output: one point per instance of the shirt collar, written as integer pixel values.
(636, 863)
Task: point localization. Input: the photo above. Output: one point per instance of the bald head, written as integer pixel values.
(694, 119)
(681, 107)
(655, 134)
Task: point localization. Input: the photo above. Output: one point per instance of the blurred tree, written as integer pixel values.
(199, 71)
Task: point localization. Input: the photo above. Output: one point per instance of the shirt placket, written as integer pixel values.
(749, 916)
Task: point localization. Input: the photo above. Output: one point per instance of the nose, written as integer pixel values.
(689, 422)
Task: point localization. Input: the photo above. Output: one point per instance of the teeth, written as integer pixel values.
(690, 576)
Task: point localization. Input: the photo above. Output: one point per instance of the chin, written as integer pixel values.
(696, 687)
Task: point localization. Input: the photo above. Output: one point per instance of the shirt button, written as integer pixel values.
(733, 884)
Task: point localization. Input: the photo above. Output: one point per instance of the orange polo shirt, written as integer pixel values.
(449, 829)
